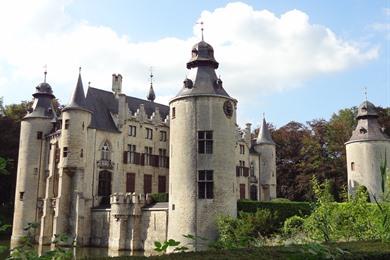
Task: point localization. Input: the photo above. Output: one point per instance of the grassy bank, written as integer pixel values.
(352, 250)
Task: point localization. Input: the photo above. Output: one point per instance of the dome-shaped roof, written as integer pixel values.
(366, 109)
(43, 88)
(202, 54)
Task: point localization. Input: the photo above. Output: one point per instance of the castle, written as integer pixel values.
(88, 173)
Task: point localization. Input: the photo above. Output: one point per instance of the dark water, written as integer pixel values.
(82, 252)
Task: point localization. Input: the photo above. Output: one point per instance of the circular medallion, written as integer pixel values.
(228, 108)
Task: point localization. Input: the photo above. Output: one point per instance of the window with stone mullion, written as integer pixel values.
(205, 142)
(205, 184)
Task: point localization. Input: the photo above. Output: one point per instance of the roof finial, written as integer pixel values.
(201, 28)
(365, 92)
(45, 73)
(263, 115)
(151, 75)
(79, 70)
(89, 83)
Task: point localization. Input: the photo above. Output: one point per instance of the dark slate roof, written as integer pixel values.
(102, 103)
(202, 79)
(264, 136)
(366, 109)
(78, 98)
(368, 128)
(43, 102)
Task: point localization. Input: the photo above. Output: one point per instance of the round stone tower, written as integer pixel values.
(366, 150)
(69, 212)
(265, 147)
(31, 171)
(202, 138)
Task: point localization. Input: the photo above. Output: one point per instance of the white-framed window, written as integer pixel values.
(149, 133)
(163, 136)
(132, 130)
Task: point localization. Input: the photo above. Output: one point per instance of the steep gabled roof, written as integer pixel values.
(103, 103)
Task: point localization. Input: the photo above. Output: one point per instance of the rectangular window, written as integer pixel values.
(352, 166)
(205, 142)
(149, 133)
(162, 158)
(173, 112)
(148, 155)
(67, 123)
(130, 182)
(162, 182)
(147, 183)
(163, 136)
(205, 184)
(242, 149)
(65, 152)
(39, 135)
(132, 130)
(131, 153)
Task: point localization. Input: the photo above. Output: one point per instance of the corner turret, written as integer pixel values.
(366, 150)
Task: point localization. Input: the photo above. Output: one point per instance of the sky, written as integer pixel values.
(292, 60)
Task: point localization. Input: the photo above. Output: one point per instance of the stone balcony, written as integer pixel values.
(105, 164)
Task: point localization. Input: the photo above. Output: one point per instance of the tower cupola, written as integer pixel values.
(151, 95)
(202, 55)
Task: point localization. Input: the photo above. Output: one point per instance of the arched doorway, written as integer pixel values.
(253, 192)
(104, 187)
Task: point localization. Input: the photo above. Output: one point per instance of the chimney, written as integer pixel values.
(117, 84)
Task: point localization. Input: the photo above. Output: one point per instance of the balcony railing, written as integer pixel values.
(105, 164)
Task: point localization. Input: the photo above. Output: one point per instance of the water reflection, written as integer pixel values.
(82, 252)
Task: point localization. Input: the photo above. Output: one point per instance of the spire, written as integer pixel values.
(264, 136)
(151, 95)
(78, 98)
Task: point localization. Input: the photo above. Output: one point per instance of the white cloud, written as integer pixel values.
(257, 50)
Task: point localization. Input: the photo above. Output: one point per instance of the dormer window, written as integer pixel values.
(105, 151)
(362, 130)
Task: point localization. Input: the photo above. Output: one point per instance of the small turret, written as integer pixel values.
(366, 150)
(265, 147)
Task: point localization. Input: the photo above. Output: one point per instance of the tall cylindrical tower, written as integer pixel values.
(202, 140)
(69, 213)
(265, 147)
(30, 173)
(366, 150)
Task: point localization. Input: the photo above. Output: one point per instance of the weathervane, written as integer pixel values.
(79, 70)
(365, 92)
(201, 27)
(45, 73)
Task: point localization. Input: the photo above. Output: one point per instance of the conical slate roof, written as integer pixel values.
(78, 98)
(151, 95)
(264, 136)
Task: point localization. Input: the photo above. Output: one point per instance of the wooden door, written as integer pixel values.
(130, 182)
(242, 191)
(147, 183)
(162, 182)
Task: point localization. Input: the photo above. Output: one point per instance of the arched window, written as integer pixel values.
(106, 153)
(253, 192)
(104, 188)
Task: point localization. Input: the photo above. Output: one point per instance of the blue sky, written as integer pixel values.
(292, 60)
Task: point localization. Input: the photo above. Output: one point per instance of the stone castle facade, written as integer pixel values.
(88, 173)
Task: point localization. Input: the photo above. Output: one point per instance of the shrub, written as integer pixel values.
(293, 225)
(246, 230)
(159, 197)
(280, 210)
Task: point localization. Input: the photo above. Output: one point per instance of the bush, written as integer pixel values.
(281, 210)
(293, 225)
(159, 197)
